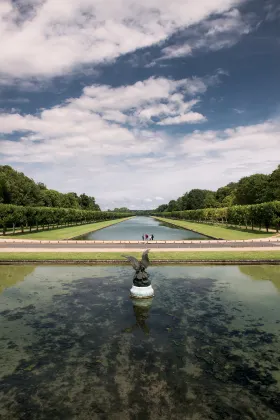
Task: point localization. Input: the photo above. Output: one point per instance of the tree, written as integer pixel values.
(87, 203)
(196, 198)
(41, 186)
(162, 208)
(252, 189)
(274, 185)
(180, 203)
(185, 201)
(226, 195)
(173, 206)
(5, 196)
(11, 215)
(70, 200)
(257, 215)
(52, 198)
(210, 200)
(18, 189)
(121, 209)
(229, 200)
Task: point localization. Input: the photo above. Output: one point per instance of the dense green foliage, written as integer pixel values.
(259, 215)
(23, 216)
(133, 212)
(254, 189)
(18, 189)
(121, 210)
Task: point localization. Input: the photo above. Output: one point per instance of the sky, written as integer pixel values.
(136, 103)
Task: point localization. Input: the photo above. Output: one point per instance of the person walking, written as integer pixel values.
(152, 237)
(143, 238)
(146, 236)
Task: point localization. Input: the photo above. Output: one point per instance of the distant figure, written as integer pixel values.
(146, 236)
(152, 237)
(143, 238)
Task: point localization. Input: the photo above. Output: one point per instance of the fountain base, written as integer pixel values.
(145, 292)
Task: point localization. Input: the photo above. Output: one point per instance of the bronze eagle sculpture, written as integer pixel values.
(141, 278)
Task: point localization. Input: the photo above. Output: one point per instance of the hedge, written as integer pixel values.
(21, 216)
(258, 215)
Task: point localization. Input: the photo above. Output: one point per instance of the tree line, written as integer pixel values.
(20, 190)
(133, 212)
(249, 190)
(265, 215)
(13, 217)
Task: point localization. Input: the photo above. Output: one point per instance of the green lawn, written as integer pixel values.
(65, 233)
(170, 256)
(216, 231)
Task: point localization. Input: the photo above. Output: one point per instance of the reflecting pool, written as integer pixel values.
(75, 346)
(133, 229)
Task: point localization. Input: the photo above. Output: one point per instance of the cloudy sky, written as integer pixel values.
(136, 102)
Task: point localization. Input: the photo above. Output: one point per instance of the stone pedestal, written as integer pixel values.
(145, 292)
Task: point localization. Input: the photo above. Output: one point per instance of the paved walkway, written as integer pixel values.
(20, 245)
(274, 238)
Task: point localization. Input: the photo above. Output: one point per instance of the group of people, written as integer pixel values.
(147, 237)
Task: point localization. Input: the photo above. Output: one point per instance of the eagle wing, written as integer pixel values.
(145, 259)
(133, 261)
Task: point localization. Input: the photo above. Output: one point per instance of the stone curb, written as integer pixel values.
(158, 262)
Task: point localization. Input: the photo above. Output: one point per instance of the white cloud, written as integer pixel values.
(110, 142)
(98, 98)
(238, 111)
(190, 117)
(213, 34)
(94, 121)
(50, 38)
(130, 167)
(272, 8)
(177, 51)
(243, 139)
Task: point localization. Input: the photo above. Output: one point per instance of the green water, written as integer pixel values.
(133, 229)
(74, 346)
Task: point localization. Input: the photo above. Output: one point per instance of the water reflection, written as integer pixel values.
(10, 275)
(141, 308)
(263, 272)
(74, 346)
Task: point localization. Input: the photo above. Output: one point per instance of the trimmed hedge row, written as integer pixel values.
(12, 216)
(258, 215)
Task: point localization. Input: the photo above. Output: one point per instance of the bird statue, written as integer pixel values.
(141, 278)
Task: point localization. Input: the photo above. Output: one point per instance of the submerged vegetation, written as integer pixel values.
(202, 349)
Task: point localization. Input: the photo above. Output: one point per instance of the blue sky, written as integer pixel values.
(138, 103)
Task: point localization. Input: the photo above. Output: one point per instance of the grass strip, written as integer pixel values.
(216, 231)
(66, 233)
(166, 256)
